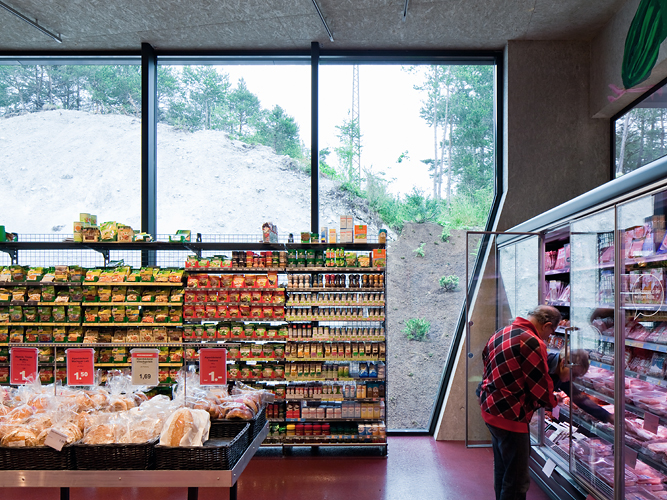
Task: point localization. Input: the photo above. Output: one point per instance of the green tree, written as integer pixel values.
(244, 107)
(349, 137)
(205, 89)
(279, 131)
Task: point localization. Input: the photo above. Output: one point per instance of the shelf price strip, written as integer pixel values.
(145, 366)
(213, 366)
(23, 365)
(80, 367)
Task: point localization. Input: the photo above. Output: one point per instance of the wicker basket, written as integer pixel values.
(216, 454)
(115, 456)
(36, 458)
(220, 428)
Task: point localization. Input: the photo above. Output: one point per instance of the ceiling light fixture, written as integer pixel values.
(30, 22)
(323, 21)
(405, 10)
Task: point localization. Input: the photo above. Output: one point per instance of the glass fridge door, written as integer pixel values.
(509, 286)
(583, 372)
(642, 321)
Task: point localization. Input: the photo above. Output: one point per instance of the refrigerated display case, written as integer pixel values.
(605, 268)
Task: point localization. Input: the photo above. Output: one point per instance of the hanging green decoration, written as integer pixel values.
(647, 31)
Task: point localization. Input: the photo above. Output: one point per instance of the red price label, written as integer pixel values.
(80, 368)
(212, 366)
(23, 365)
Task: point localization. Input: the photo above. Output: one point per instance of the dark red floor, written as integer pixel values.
(416, 468)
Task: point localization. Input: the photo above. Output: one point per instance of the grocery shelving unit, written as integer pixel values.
(331, 311)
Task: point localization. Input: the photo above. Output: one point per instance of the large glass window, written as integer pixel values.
(70, 143)
(410, 149)
(641, 134)
(233, 149)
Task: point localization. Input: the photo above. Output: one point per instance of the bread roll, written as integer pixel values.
(19, 437)
(180, 424)
(100, 434)
(19, 413)
(242, 413)
(3, 410)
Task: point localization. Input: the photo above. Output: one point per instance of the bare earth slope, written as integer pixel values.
(56, 164)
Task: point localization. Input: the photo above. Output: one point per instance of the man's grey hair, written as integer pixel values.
(545, 314)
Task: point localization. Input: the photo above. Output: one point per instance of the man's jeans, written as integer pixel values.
(510, 463)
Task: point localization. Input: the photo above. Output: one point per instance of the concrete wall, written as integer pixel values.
(554, 151)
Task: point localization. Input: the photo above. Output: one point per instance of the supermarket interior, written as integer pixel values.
(319, 249)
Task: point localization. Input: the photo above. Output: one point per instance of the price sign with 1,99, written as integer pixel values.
(80, 367)
(212, 366)
(23, 365)
(144, 366)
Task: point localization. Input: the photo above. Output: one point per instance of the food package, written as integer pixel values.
(186, 427)
(108, 231)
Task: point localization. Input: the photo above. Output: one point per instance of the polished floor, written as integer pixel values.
(415, 468)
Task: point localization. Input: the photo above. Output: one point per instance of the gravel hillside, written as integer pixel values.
(59, 163)
(56, 164)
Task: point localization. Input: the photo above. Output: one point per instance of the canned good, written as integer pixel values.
(93, 220)
(77, 226)
(84, 218)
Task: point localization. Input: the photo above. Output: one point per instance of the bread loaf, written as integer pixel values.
(100, 434)
(180, 424)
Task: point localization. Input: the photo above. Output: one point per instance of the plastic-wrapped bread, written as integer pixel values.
(19, 437)
(100, 434)
(186, 427)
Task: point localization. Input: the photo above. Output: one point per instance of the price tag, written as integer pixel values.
(630, 457)
(80, 367)
(55, 439)
(22, 365)
(144, 366)
(549, 467)
(555, 412)
(651, 422)
(212, 366)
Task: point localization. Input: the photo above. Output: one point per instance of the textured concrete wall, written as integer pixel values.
(554, 151)
(606, 62)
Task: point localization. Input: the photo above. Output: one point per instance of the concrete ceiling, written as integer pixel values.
(293, 24)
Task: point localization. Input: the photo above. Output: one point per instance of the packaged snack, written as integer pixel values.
(148, 316)
(244, 311)
(133, 294)
(18, 293)
(118, 313)
(200, 296)
(175, 314)
(34, 294)
(48, 293)
(222, 311)
(134, 276)
(75, 334)
(148, 296)
(118, 294)
(74, 314)
(261, 281)
(210, 331)
(224, 331)
(173, 335)
(59, 334)
(109, 231)
(146, 274)
(176, 295)
(188, 311)
(30, 314)
(93, 275)
(175, 354)
(133, 335)
(91, 314)
(103, 314)
(256, 311)
(32, 334)
(227, 281)
(233, 312)
(104, 293)
(16, 334)
(162, 295)
(59, 314)
(238, 281)
(90, 293)
(234, 297)
(62, 297)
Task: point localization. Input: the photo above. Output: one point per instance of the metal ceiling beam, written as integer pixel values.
(31, 22)
(323, 21)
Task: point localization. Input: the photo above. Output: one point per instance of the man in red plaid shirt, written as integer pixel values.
(516, 382)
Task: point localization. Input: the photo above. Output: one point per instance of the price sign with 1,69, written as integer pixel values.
(80, 367)
(22, 365)
(144, 366)
(212, 366)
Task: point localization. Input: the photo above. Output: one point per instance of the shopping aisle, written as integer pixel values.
(416, 468)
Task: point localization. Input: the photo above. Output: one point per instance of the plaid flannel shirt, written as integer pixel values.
(516, 377)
